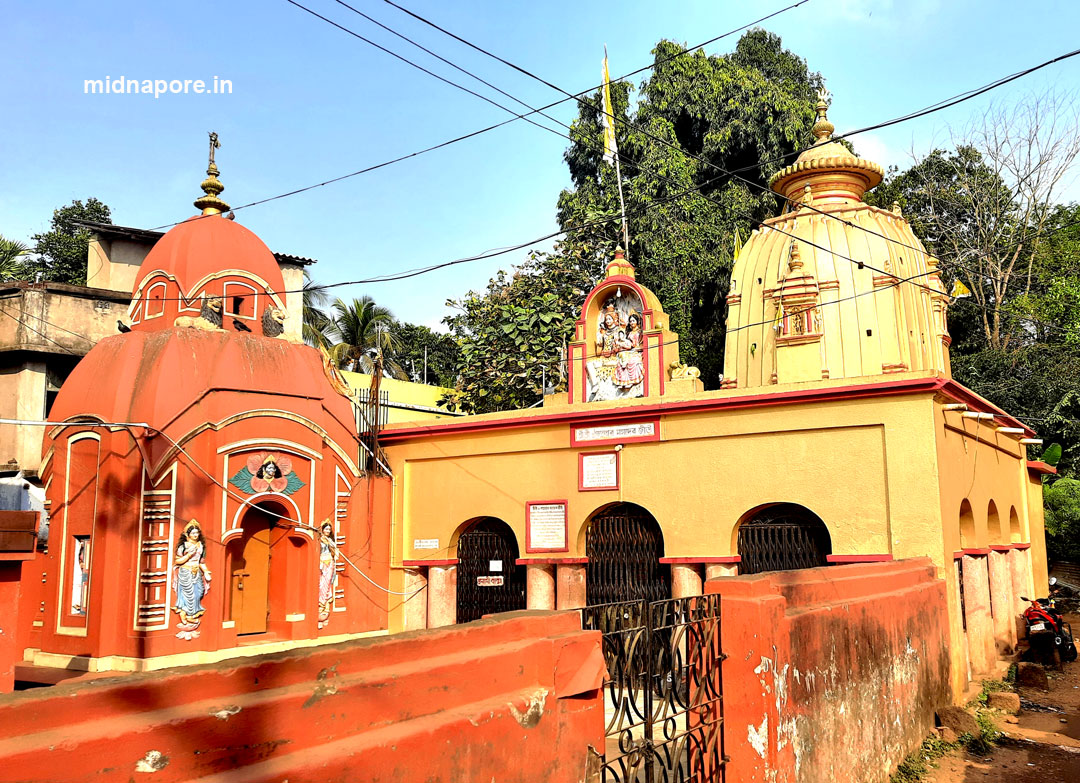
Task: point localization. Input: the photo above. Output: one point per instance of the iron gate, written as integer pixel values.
(662, 694)
(624, 546)
(489, 580)
(783, 538)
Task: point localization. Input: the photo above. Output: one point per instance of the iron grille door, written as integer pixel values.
(663, 692)
(484, 589)
(783, 538)
(624, 546)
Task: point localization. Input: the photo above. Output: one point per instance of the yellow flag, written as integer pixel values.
(611, 149)
(738, 246)
(779, 319)
(959, 290)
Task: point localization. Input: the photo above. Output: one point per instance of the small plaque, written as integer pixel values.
(598, 471)
(425, 543)
(634, 432)
(495, 565)
(546, 526)
(489, 581)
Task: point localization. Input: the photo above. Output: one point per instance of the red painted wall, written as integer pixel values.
(510, 699)
(832, 673)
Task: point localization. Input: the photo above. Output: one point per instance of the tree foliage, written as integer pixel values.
(363, 340)
(61, 251)
(1062, 509)
(512, 336)
(12, 259)
(415, 342)
(748, 112)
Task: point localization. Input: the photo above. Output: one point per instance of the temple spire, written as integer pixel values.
(210, 203)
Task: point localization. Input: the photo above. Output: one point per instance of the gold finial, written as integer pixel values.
(823, 128)
(209, 203)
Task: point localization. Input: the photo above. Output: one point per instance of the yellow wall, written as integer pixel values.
(408, 401)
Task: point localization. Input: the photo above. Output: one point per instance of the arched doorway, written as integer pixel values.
(624, 545)
(251, 569)
(782, 537)
(488, 577)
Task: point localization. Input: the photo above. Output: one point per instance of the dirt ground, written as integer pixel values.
(1044, 747)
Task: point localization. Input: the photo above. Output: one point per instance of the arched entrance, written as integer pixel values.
(624, 545)
(250, 568)
(488, 577)
(782, 537)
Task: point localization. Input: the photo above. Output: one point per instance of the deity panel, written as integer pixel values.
(617, 370)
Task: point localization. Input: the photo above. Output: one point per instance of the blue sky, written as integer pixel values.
(310, 102)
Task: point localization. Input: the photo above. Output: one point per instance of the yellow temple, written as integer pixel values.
(838, 436)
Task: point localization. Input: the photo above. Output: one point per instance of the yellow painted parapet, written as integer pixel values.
(408, 401)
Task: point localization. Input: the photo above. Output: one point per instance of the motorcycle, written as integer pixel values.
(1047, 632)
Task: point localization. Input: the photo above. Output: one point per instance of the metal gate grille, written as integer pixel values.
(783, 538)
(489, 581)
(663, 695)
(624, 546)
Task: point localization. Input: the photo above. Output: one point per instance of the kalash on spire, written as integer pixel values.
(210, 203)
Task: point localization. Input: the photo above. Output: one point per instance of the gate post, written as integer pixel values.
(539, 585)
(442, 594)
(415, 614)
(570, 593)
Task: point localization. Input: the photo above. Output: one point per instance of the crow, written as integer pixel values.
(240, 325)
(122, 327)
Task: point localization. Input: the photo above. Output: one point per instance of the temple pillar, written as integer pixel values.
(1019, 588)
(980, 625)
(442, 595)
(415, 600)
(1001, 602)
(539, 586)
(686, 580)
(714, 570)
(570, 588)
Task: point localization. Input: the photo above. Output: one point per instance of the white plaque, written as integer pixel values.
(495, 565)
(547, 527)
(425, 543)
(600, 471)
(644, 429)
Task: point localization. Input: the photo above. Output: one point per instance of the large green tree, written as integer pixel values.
(419, 344)
(61, 251)
(747, 112)
(362, 337)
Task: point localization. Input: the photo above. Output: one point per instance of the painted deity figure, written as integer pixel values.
(630, 371)
(327, 572)
(607, 332)
(191, 580)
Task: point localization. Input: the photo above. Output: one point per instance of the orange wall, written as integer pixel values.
(510, 699)
(832, 673)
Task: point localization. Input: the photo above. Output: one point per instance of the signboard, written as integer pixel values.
(546, 526)
(599, 470)
(489, 581)
(635, 432)
(425, 543)
(494, 565)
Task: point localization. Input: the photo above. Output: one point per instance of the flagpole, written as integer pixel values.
(611, 150)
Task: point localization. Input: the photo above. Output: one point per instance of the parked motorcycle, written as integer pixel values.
(1047, 632)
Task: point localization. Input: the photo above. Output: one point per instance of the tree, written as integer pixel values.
(62, 250)
(1062, 507)
(316, 324)
(749, 112)
(11, 261)
(512, 336)
(363, 338)
(415, 343)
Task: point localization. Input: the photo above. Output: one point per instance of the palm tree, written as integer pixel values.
(364, 338)
(10, 252)
(316, 321)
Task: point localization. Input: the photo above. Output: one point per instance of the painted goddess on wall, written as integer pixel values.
(327, 572)
(191, 580)
(617, 370)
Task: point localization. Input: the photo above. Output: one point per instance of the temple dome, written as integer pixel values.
(205, 246)
(832, 287)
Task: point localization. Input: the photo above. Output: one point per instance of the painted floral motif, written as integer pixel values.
(191, 580)
(267, 472)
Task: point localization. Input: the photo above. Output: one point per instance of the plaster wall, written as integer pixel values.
(22, 396)
(511, 699)
(114, 263)
(831, 674)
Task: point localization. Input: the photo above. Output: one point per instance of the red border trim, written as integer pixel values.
(1001, 547)
(575, 443)
(1021, 546)
(418, 563)
(551, 561)
(975, 552)
(730, 559)
(585, 417)
(581, 471)
(957, 555)
(858, 558)
(1041, 467)
(528, 525)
